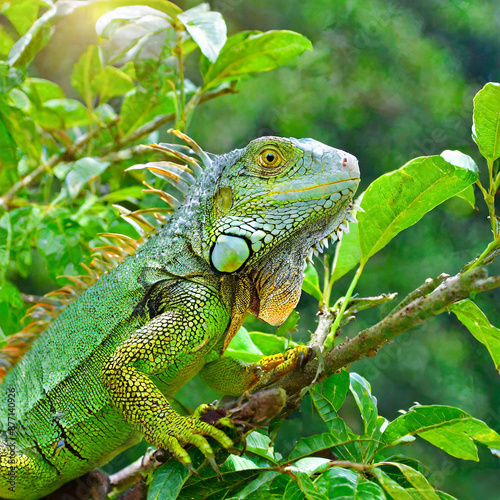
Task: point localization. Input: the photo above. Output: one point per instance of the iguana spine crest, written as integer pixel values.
(109, 256)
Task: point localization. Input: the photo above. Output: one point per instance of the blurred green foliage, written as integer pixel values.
(387, 81)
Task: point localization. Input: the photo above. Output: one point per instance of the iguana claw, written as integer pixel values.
(215, 467)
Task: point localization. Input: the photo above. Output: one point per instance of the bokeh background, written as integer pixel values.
(387, 81)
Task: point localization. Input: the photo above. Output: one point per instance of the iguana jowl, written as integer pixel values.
(94, 383)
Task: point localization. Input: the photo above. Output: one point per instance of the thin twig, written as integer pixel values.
(71, 150)
(126, 477)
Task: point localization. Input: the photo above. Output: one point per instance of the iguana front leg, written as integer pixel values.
(168, 346)
(233, 377)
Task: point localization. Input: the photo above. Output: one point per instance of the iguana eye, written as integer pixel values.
(270, 158)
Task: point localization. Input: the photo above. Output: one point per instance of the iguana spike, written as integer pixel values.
(185, 158)
(91, 272)
(111, 252)
(130, 245)
(160, 218)
(106, 265)
(62, 293)
(74, 279)
(40, 310)
(171, 178)
(139, 223)
(166, 197)
(18, 344)
(350, 217)
(204, 157)
(153, 210)
(177, 175)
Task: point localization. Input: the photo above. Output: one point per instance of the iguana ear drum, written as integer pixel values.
(229, 253)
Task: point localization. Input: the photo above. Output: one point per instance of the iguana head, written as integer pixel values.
(273, 201)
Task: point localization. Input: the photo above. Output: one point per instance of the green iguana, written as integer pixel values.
(97, 379)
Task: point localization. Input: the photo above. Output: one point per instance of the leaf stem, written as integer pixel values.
(490, 199)
(331, 336)
(326, 282)
(180, 121)
(486, 253)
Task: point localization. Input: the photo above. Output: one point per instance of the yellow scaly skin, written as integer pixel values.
(97, 380)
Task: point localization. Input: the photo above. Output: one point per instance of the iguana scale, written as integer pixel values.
(95, 381)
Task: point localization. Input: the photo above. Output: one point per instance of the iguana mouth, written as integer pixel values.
(318, 186)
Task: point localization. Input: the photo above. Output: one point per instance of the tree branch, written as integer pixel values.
(69, 151)
(425, 302)
(130, 475)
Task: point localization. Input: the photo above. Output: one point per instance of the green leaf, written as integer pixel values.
(128, 193)
(446, 427)
(136, 32)
(459, 159)
(328, 398)
(81, 172)
(241, 347)
(468, 195)
(311, 282)
(347, 252)
(24, 222)
(477, 323)
(20, 129)
(245, 463)
(268, 343)
(12, 308)
(61, 113)
(295, 490)
(84, 72)
(25, 49)
(251, 52)
(5, 243)
(345, 484)
(207, 29)
(140, 107)
(312, 444)
(23, 13)
(367, 404)
(209, 485)
(401, 198)
(8, 157)
(392, 487)
(16, 98)
(6, 43)
(417, 479)
(168, 481)
(290, 325)
(112, 82)
(329, 395)
(310, 465)
(104, 114)
(260, 445)
(256, 485)
(306, 486)
(486, 121)
(40, 90)
(444, 496)
(59, 243)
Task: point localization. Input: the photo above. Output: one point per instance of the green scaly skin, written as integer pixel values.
(95, 382)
